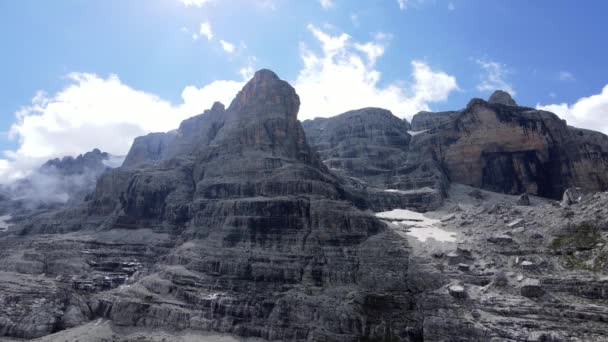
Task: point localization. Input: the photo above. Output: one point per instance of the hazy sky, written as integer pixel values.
(83, 74)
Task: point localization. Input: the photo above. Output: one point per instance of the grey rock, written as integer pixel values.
(531, 288)
(501, 239)
(457, 291)
(523, 200)
(233, 225)
(500, 279)
(464, 267)
(372, 145)
(502, 97)
(528, 265)
(454, 258)
(571, 196)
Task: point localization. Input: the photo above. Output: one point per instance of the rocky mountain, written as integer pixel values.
(55, 184)
(241, 229)
(495, 145)
(373, 147)
(245, 222)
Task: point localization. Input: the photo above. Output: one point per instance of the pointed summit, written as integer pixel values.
(502, 97)
(267, 96)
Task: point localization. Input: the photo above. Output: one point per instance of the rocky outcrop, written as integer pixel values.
(233, 225)
(57, 183)
(502, 97)
(371, 146)
(502, 147)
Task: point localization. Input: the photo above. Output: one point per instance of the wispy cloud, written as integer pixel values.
(205, 30)
(227, 46)
(494, 76)
(566, 76)
(195, 3)
(402, 4)
(326, 3)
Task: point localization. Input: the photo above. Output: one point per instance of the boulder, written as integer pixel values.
(457, 291)
(571, 196)
(531, 288)
(523, 200)
(501, 239)
(464, 267)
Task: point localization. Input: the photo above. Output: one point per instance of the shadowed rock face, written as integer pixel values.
(237, 226)
(372, 147)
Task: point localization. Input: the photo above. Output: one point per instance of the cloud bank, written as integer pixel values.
(343, 76)
(587, 112)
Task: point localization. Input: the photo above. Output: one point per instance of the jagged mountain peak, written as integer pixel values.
(266, 95)
(502, 97)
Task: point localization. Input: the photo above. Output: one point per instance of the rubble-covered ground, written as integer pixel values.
(491, 270)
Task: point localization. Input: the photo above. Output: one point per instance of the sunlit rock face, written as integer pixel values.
(502, 147)
(495, 145)
(231, 223)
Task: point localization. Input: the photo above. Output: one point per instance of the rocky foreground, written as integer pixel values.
(243, 223)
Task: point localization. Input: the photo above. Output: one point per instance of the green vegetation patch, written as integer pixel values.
(583, 236)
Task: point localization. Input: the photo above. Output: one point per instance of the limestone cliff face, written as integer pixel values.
(512, 149)
(246, 231)
(372, 146)
(495, 145)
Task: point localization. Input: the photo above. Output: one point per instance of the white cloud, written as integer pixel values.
(247, 71)
(494, 77)
(227, 46)
(195, 3)
(402, 4)
(566, 76)
(587, 112)
(205, 30)
(267, 4)
(326, 3)
(96, 112)
(344, 77)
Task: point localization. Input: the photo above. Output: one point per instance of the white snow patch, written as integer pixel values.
(415, 133)
(423, 234)
(419, 226)
(407, 215)
(408, 192)
(3, 224)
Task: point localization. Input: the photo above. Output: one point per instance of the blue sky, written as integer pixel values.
(113, 69)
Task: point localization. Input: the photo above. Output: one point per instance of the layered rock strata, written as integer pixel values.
(233, 225)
